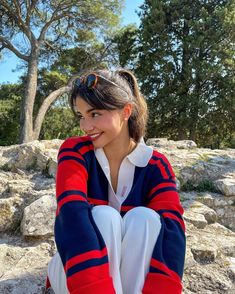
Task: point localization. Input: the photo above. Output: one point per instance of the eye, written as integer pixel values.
(95, 114)
(79, 116)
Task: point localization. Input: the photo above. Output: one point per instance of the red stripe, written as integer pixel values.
(171, 196)
(165, 284)
(71, 176)
(72, 164)
(126, 208)
(85, 149)
(70, 153)
(172, 216)
(160, 166)
(85, 256)
(48, 284)
(162, 185)
(73, 141)
(100, 287)
(163, 267)
(69, 199)
(158, 205)
(97, 201)
(88, 278)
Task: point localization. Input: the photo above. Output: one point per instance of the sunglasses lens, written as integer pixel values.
(91, 81)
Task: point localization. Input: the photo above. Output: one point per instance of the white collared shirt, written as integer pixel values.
(140, 157)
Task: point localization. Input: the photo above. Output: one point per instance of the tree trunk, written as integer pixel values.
(26, 116)
(44, 107)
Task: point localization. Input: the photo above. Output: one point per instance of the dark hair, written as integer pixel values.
(108, 96)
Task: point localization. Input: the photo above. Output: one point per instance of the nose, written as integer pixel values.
(86, 125)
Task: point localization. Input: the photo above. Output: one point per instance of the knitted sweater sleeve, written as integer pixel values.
(166, 267)
(78, 240)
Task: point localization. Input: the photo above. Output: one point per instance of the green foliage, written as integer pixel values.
(203, 186)
(183, 56)
(43, 34)
(10, 97)
(125, 41)
(60, 123)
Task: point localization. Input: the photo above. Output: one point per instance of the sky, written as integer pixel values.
(9, 63)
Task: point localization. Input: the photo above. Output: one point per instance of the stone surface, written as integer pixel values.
(27, 211)
(10, 214)
(164, 142)
(24, 265)
(204, 254)
(226, 186)
(38, 218)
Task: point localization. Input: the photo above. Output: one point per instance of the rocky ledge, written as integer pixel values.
(206, 182)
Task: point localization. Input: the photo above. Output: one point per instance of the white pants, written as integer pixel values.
(130, 241)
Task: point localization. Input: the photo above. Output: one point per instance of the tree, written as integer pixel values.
(36, 31)
(184, 60)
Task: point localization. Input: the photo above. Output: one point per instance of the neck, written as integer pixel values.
(119, 149)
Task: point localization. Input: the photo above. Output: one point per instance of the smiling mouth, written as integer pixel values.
(95, 136)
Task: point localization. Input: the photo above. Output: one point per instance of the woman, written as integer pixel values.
(119, 226)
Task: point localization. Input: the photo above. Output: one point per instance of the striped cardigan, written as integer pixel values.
(81, 184)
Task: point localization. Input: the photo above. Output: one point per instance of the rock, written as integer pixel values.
(202, 253)
(222, 205)
(231, 267)
(38, 219)
(33, 155)
(226, 186)
(52, 168)
(189, 259)
(22, 156)
(204, 278)
(164, 142)
(19, 186)
(10, 215)
(24, 268)
(198, 208)
(197, 219)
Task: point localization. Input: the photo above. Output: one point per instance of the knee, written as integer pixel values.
(106, 214)
(142, 215)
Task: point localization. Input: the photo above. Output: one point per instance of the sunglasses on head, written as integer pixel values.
(91, 80)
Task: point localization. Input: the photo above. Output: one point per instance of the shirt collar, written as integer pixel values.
(140, 156)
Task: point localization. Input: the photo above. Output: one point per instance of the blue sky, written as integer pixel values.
(9, 63)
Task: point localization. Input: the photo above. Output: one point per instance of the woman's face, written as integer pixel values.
(103, 126)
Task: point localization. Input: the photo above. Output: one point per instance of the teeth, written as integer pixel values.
(94, 136)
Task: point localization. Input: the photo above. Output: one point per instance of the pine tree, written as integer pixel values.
(184, 60)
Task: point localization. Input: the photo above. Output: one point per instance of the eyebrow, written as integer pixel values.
(88, 111)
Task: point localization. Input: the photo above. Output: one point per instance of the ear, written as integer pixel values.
(127, 111)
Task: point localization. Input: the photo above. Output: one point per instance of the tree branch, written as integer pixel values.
(7, 44)
(16, 15)
(45, 105)
(53, 18)
(30, 8)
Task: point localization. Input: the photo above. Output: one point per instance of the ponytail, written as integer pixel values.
(138, 120)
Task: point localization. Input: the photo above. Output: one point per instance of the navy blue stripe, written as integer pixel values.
(71, 192)
(155, 270)
(66, 150)
(176, 213)
(163, 163)
(87, 264)
(161, 191)
(72, 158)
(78, 146)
